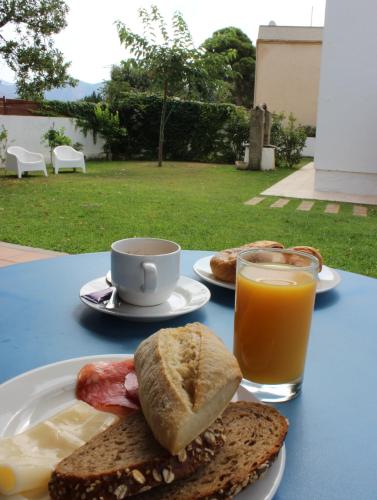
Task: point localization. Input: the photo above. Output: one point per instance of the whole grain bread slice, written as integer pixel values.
(254, 436)
(126, 459)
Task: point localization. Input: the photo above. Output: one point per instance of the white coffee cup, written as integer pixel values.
(145, 271)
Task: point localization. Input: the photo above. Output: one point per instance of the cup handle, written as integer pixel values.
(150, 277)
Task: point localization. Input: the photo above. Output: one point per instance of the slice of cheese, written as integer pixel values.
(40, 494)
(27, 459)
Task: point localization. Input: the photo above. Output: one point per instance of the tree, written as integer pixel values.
(241, 80)
(126, 77)
(174, 66)
(26, 27)
(93, 97)
(130, 76)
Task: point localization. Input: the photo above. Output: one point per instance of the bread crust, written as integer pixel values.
(223, 264)
(310, 251)
(254, 435)
(126, 459)
(186, 379)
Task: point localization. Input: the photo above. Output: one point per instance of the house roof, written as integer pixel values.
(290, 33)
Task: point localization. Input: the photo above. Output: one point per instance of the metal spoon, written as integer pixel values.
(113, 301)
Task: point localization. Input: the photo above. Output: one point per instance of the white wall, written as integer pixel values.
(309, 148)
(27, 131)
(346, 145)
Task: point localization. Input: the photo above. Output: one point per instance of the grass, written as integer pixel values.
(200, 206)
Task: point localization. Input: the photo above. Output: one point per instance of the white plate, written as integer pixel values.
(188, 296)
(327, 279)
(40, 393)
(203, 269)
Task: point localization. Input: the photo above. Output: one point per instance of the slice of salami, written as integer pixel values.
(102, 385)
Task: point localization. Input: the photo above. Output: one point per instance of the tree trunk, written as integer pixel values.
(162, 125)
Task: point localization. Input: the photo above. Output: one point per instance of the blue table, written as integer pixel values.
(332, 442)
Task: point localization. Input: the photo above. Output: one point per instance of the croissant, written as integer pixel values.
(223, 264)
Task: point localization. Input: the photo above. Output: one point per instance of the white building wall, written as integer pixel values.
(27, 132)
(346, 145)
(309, 148)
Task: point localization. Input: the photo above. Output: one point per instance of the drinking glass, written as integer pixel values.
(275, 293)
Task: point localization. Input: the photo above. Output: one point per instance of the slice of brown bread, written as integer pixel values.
(254, 435)
(126, 459)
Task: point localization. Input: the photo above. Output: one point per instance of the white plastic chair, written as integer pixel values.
(21, 160)
(67, 157)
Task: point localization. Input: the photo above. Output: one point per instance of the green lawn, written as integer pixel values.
(200, 206)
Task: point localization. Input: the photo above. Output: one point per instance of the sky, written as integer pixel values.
(90, 41)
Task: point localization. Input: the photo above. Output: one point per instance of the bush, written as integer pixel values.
(310, 131)
(78, 146)
(289, 140)
(3, 144)
(106, 123)
(238, 130)
(53, 138)
(195, 131)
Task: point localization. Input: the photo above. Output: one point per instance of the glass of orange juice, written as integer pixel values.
(275, 293)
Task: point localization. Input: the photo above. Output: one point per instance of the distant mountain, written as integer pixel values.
(8, 90)
(83, 89)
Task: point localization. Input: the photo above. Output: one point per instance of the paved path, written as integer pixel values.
(301, 184)
(306, 206)
(15, 254)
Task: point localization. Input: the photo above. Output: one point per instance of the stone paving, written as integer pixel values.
(255, 200)
(332, 208)
(280, 203)
(360, 211)
(301, 184)
(306, 206)
(16, 254)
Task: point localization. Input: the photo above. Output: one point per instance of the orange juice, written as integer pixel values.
(274, 305)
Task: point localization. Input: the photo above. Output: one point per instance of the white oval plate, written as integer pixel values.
(327, 279)
(188, 296)
(42, 392)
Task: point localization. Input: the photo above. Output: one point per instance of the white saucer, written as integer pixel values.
(188, 296)
(327, 279)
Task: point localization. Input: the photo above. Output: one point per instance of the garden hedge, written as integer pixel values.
(195, 131)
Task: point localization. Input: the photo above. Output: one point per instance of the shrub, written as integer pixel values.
(238, 130)
(289, 140)
(310, 131)
(3, 144)
(105, 122)
(53, 138)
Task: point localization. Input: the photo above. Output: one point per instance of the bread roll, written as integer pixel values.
(186, 379)
(223, 264)
(310, 251)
